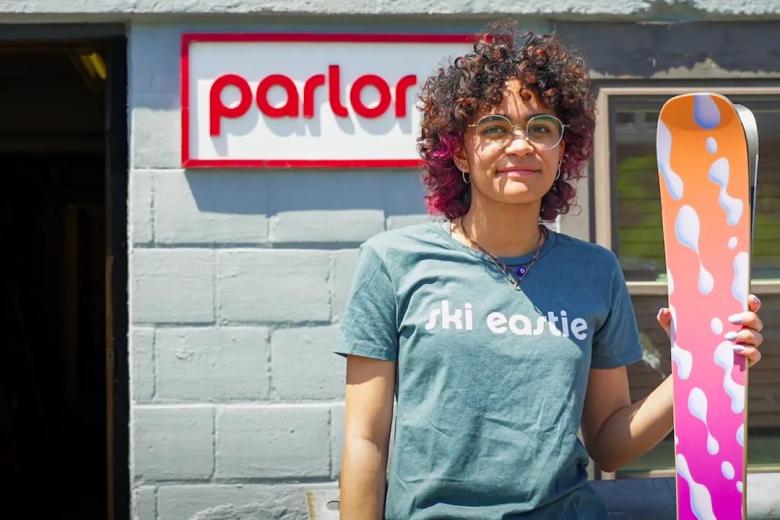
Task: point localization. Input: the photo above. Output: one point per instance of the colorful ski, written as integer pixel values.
(704, 168)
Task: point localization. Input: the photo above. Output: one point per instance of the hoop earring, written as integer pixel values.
(558, 175)
(463, 176)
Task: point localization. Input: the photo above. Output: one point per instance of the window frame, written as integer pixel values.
(604, 178)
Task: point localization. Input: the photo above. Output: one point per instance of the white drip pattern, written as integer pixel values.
(681, 357)
(700, 499)
(727, 469)
(712, 146)
(663, 140)
(719, 174)
(716, 326)
(697, 405)
(687, 228)
(724, 358)
(739, 287)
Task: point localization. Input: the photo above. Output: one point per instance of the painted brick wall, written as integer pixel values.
(237, 284)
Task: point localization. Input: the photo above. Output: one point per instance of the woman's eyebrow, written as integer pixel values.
(540, 114)
(495, 116)
(529, 116)
(534, 114)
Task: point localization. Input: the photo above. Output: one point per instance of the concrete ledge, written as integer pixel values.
(638, 499)
(654, 498)
(626, 499)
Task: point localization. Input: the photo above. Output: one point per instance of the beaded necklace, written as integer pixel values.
(519, 272)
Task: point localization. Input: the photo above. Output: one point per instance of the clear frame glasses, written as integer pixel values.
(543, 131)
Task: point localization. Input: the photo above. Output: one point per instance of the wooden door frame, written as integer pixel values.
(117, 314)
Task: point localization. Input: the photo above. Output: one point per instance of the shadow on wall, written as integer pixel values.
(256, 192)
(319, 209)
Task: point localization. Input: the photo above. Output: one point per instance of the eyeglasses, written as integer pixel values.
(543, 131)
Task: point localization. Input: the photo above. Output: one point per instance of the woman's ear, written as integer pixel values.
(561, 155)
(461, 162)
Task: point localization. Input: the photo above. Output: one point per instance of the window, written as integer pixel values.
(628, 220)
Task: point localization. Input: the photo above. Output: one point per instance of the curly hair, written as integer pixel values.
(453, 96)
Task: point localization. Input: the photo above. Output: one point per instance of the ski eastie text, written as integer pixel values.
(556, 323)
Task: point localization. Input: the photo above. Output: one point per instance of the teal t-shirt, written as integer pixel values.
(490, 380)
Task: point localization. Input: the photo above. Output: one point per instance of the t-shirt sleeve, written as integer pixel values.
(369, 325)
(616, 341)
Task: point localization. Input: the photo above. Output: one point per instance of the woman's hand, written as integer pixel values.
(749, 338)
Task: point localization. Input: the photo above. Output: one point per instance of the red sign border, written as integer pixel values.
(187, 38)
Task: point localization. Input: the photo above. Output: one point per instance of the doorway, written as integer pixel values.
(63, 275)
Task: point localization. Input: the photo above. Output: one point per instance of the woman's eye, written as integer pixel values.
(538, 129)
(494, 130)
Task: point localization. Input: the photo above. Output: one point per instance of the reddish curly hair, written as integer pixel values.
(452, 98)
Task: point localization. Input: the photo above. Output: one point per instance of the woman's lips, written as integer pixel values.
(518, 173)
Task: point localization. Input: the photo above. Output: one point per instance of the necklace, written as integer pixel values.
(519, 272)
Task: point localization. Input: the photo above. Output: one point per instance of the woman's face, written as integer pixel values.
(519, 172)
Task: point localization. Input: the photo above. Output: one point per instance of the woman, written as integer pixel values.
(498, 337)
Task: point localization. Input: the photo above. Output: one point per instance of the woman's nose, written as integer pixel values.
(519, 144)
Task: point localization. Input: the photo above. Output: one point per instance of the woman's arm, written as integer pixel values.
(368, 417)
(616, 431)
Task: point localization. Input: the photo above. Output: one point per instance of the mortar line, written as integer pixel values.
(153, 206)
(331, 287)
(213, 444)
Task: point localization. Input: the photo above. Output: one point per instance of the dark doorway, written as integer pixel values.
(63, 300)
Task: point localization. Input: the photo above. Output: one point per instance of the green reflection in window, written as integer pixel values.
(638, 238)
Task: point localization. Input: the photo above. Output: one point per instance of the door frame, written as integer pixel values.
(112, 39)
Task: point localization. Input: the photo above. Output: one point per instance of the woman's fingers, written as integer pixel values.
(664, 319)
(745, 337)
(748, 319)
(747, 340)
(752, 354)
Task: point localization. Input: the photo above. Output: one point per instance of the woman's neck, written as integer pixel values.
(501, 229)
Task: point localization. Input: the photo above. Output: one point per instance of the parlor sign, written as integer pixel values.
(306, 100)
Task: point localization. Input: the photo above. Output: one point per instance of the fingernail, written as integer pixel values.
(755, 299)
(739, 349)
(660, 311)
(730, 335)
(735, 318)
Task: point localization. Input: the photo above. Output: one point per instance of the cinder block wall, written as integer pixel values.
(237, 283)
